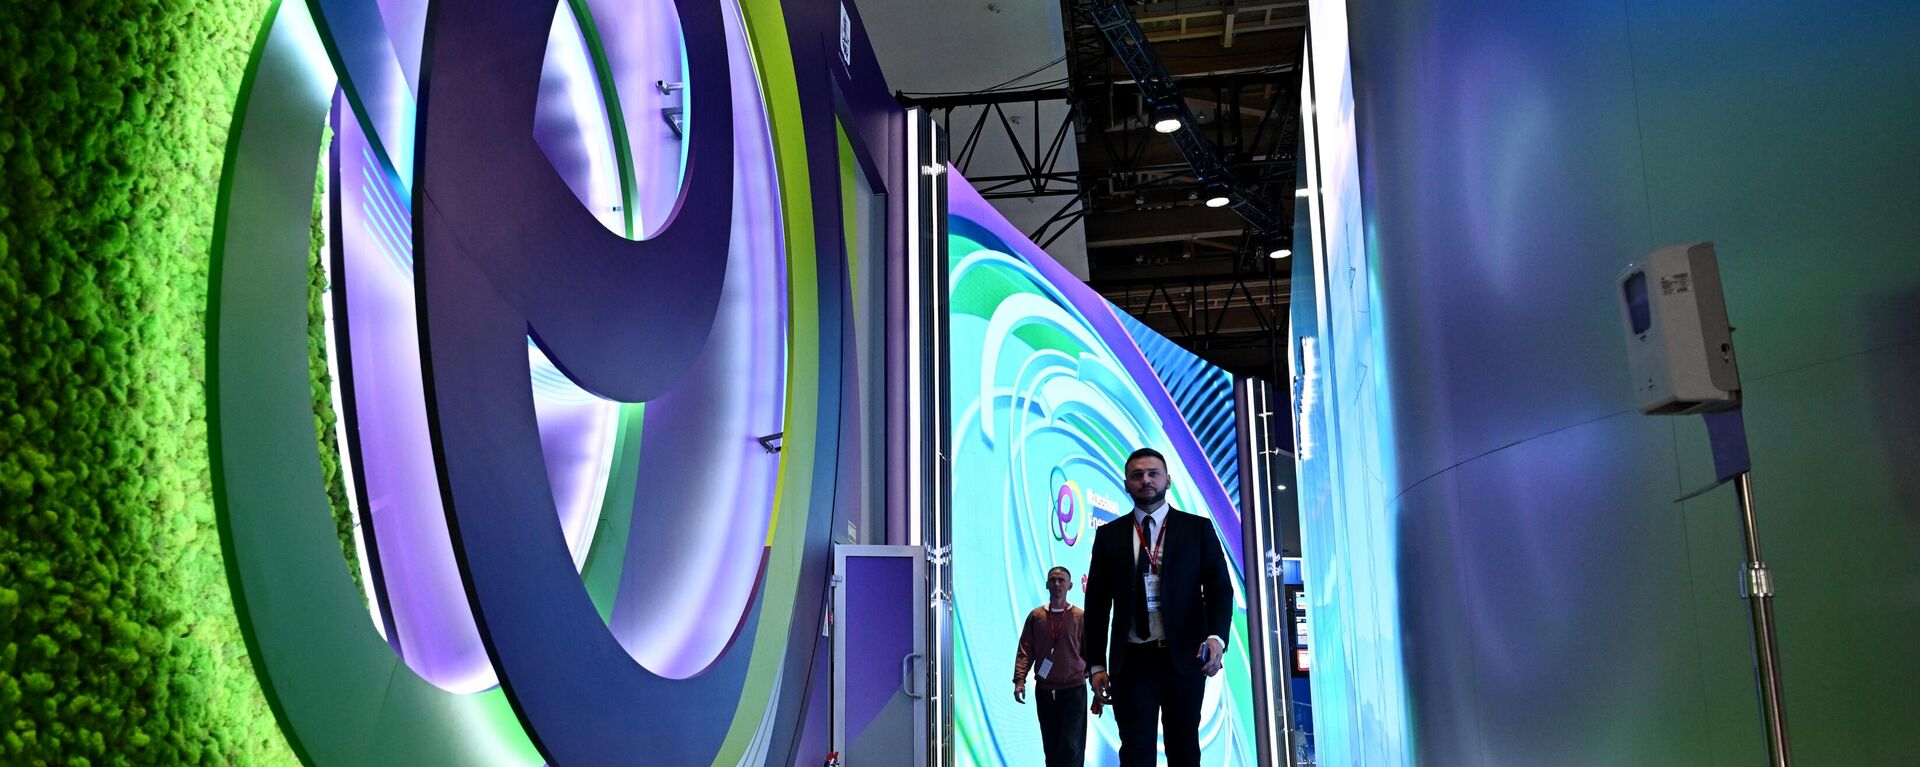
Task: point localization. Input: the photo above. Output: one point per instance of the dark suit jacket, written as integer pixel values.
(1196, 594)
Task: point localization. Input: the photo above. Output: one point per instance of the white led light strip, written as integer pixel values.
(915, 427)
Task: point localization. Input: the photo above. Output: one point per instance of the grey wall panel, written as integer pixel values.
(1583, 619)
(1438, 645)
(1515, 156)
(1503, 193)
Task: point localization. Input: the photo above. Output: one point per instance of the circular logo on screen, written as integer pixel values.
(1073, 507)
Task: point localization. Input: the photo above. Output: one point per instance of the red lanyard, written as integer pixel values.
(1153, 552)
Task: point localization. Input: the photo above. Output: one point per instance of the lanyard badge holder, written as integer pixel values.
(1152, 578)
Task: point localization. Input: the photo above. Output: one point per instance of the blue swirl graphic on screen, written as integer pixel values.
(1051, 390)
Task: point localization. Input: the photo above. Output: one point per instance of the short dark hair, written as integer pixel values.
(1145, 452)
(1063, 571)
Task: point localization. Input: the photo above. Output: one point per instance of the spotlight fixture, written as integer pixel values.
(1166, 118)
(1217, 195)
(1279, 245)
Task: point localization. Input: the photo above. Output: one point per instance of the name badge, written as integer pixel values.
(1153, 593)
(1046, 667)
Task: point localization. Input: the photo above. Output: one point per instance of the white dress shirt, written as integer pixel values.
(1155, 631)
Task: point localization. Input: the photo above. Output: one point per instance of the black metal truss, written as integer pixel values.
(1040, 173)
(1038, 151)
(1129, 45)
(1199, 308)
(1125, 102)
(1040, 148)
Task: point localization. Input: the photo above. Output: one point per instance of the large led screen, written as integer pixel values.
(1052, 387)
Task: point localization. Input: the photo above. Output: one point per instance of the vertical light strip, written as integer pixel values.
(1256, 557)
(1277, 604)
(915, 360)
(1258, 442)
(942, 523)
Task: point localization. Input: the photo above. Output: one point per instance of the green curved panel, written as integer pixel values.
(342, 696)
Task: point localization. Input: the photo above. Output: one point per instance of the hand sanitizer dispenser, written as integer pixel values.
(1679, 345)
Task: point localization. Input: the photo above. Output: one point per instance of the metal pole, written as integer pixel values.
(1757, 586)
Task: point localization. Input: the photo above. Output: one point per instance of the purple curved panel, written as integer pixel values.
(643, 46)
(615, 316)
(701, 449)
(432, 626)
(577, 432)
(570, 123)
(505, 251)
(405, 19)
(372, 75)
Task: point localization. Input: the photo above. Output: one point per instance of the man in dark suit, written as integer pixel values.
(1160, 577)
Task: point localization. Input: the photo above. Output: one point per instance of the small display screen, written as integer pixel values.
(1638, 313)
(1302, 631)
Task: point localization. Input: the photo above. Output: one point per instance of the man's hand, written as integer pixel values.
(1209, 654)
(1099, 681)
(1020, 693)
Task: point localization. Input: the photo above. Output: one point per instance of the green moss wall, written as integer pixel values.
(118, 642)
(324, 419)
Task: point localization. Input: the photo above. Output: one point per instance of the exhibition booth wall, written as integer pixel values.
(1536, 593)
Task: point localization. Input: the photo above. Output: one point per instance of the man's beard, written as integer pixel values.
(1149, 501)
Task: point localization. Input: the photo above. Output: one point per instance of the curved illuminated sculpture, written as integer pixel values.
(623, 320)
(497, 315)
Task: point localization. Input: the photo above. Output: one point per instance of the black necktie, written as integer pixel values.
(1140, 625)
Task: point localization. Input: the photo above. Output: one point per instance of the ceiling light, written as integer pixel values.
(1278, 244)
(1166, 118)
(1217, 195)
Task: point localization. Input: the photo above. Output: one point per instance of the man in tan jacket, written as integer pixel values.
(1050, 649)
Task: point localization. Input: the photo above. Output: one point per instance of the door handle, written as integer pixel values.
(906, 675)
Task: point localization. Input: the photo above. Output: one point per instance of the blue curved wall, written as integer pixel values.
(1553, 604)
